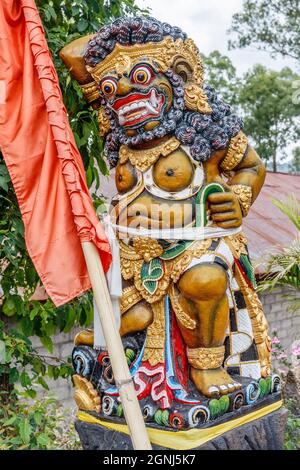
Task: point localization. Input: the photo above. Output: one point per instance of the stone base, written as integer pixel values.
(266, 433)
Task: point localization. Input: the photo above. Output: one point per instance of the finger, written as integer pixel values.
(217, 198)
(228, 206)
(223, 216)
(235, 223)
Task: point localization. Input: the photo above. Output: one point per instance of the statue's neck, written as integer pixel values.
(152, 143)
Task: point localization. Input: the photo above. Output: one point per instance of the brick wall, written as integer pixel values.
(286, 324)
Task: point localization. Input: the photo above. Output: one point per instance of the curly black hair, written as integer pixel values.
(128, 31)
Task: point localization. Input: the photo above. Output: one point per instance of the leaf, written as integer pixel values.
(47, 343)
(10, 420)
(13, 375)
(43, 383)
(43, 440)
(38, 417)
(82, 25)
(25, 380)
(25, 430)
(9, 307)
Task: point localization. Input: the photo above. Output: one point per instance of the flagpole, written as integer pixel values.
(124, 383)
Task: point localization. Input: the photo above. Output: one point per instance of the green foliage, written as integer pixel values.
(270, 25)
(63, 20)
(221, 74)
(40, 426)
(292, 430)
(295, 164)
(22, 370)
(271, 117)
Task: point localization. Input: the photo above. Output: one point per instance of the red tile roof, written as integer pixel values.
(266, 227)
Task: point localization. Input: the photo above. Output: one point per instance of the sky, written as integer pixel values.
(207, 21)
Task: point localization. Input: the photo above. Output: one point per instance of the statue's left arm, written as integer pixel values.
(246, 178)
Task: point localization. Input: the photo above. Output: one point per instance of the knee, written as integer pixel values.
(204, 282)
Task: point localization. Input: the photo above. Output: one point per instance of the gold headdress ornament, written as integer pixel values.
(163, 55)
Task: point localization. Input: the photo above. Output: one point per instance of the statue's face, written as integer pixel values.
(139, 98)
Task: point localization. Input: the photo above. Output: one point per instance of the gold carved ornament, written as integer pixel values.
(86, 397)
(90, 91)
(131, 264)
(143, 159)
(236, 150)
(244, 195)
(154, 351)
(206, 358)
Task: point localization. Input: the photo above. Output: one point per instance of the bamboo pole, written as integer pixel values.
(131, 407)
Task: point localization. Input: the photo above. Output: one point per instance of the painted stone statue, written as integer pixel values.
(192, 325)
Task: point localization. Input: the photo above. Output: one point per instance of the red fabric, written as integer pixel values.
(42, 158)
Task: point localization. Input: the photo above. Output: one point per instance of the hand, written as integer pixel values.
(225, 210)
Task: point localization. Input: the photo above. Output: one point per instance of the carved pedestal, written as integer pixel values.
(264, 433)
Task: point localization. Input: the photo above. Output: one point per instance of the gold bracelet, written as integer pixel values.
(206, 358)
(244, 195)
(236, 150)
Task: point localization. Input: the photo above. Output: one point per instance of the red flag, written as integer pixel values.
(42, 158)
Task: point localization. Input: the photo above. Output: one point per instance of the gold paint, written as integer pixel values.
(236, 151)
(244, 195)
(130, 297)
(103, 121)
(143, 159)
(86, 397)
(90, 91)
(195, 99)
(162, 54)
(154, 351)
(239, 244)
(131, 263)
(149, 248)
(84, 337)
(180, 314)
(206, 358)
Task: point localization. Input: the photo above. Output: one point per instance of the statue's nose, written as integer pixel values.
(124, 86)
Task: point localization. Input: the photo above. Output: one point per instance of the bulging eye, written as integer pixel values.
(142, 75)
(108, 86)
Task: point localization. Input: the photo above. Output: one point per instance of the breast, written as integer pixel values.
(174, 172)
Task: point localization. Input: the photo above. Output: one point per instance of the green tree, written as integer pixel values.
(295, 164)
(271, 117)
(269, 25)
(63, 20)
(221, 74)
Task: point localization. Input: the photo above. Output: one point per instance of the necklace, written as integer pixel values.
(143, 159)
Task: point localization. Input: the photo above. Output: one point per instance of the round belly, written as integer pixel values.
(148, 211)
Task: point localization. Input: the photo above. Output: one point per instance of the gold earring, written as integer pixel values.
(195, 99)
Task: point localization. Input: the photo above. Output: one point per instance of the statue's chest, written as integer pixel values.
(174, 176)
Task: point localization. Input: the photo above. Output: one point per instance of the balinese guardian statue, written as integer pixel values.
(193, 328)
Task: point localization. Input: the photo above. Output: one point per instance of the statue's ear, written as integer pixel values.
(72, 56)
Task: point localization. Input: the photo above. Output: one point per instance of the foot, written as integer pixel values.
(214, 382)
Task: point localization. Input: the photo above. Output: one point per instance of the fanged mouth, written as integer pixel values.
(137, 107)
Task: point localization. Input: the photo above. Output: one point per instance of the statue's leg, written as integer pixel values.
(203, 296)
